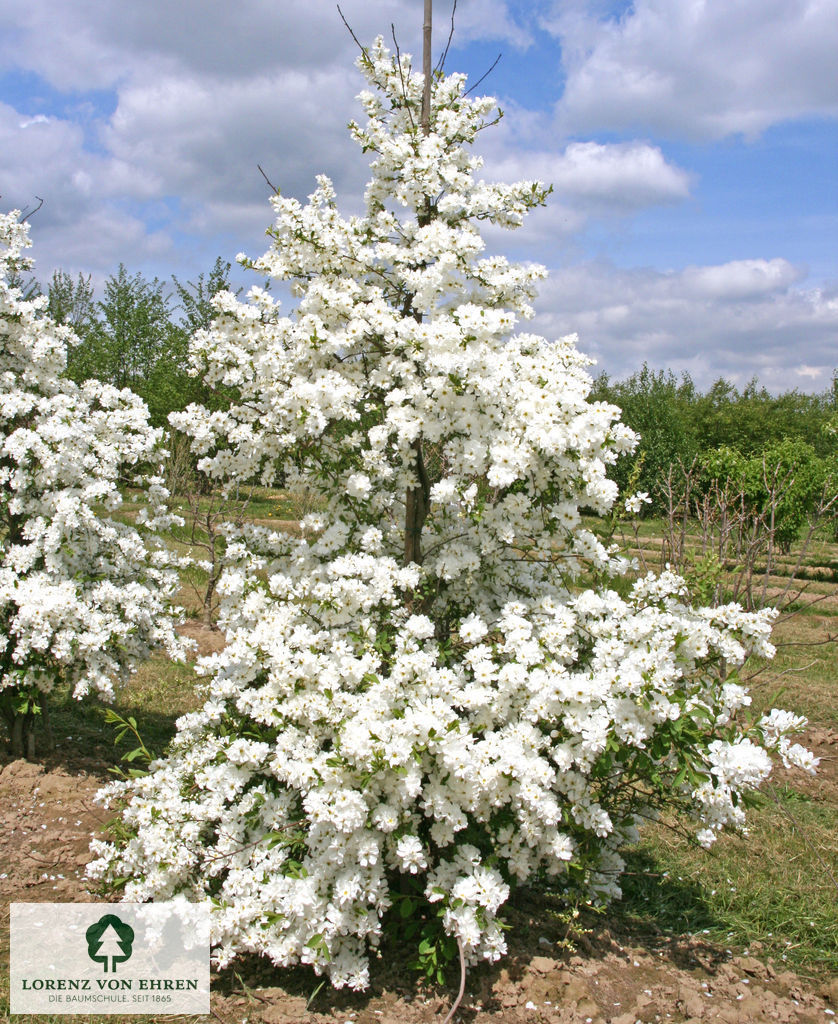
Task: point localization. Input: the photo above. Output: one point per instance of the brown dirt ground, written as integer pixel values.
(47, 816)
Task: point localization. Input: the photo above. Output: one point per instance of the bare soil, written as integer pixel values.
(47, 816)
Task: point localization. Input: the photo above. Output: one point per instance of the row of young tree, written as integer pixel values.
(777, 453)
(678, 422)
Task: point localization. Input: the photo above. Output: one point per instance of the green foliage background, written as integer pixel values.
(748, 437)
(137, 335)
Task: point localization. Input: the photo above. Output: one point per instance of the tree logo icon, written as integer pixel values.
(110, 939)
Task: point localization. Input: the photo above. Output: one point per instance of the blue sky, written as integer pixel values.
(693, 146)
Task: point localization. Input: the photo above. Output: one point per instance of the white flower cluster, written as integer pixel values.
(462, 721)
(775, 728)
(83, 595)
(635, 502)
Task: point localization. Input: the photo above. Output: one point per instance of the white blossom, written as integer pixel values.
(635, 502)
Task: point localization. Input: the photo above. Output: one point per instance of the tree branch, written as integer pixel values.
(461, 993)
(273, 187)
(30, 213)
(486, 75)
(362, 48)
(401, 76)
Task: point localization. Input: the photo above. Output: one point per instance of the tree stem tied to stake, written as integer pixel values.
(426, 69)
(416, 499)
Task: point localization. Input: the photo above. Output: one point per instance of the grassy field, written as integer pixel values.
(774, 891)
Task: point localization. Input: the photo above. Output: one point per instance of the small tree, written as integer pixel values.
(83, 594)
(72, 304)
(195, 297)
(421, 705)
(133, 343)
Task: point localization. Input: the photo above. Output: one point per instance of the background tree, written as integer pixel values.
(660, 409)
(137, 335)
(195, 297)
(752, 419)
(135, 344)
(676, 421)
(72, 303)
(29, 288)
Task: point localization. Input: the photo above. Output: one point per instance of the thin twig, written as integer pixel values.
(29, 213)
(248, 846)
(362, 48)
(788, 671)
(461, 993)
(486, 75)
(441, 63)
(806, 607)
(268, 180)
(401, 76)
(807, 643)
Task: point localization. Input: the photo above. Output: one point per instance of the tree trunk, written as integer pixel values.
(416, 509)
(23, 736)
(22, 725)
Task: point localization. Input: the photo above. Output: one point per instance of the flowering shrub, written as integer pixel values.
(83, 596)
(419, 695)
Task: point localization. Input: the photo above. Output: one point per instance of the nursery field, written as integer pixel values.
(746, 932)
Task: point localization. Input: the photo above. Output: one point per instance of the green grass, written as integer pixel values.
(775, 890)
(155, 696)
(768, 890)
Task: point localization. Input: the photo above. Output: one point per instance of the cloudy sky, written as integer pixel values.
(692, 145)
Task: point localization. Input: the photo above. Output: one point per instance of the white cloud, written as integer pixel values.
(695, 68)
(84, 223)
(741, 280)
(205, 136)
(483, 20)
(95, 44)
(812, 372)
(620, 177)
(591, 181)
(736, 320)
(37, 119)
